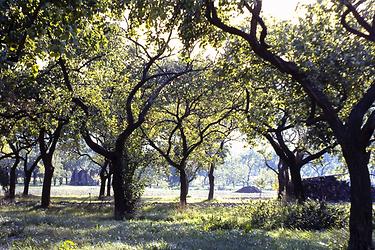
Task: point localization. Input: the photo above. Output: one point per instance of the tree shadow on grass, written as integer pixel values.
(183, 236)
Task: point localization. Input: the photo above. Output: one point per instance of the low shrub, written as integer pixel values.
(311, 215)
(269, 215)
(220, 223)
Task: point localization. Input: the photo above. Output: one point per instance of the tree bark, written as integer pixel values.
(211, 180)
(102, 186)
(281, 193)
(103, 177)
(26, 183)
(46, 153)
(360, 222)
(295, 174)
(109, 184)
(12, 179)
(281, 178)
(47, 182)
(118, 186)
(129, 188)
(184, 187)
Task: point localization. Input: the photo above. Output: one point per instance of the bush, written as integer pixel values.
(269, 215)
(310, 215)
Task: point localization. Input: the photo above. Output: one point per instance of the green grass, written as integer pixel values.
(76, 223)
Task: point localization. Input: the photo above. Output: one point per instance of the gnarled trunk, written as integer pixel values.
(211, 180)
(360, 223)
(184, 187)
(26, 183)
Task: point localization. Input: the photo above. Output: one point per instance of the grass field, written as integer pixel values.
(75, 221)
(195, 194)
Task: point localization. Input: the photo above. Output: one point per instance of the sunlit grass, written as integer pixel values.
(157, 225)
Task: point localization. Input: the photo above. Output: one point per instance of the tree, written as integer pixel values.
(189, 113)
(216, 151)
(16, 158)
(121, 106)
(29, 165)
(269, 113)
(293, 159)
(14, 147)
(48, 140)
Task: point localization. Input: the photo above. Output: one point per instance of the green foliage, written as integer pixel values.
(68, 245)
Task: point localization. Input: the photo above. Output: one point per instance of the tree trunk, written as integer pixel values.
(34, 178)
(109, 180)
(295, 174)
(184, 187)
(211, 179)
(281, 182)
(12, 180)
(26, 183)
(360, 223)
(47, 182)
(281, 179)
(118, 186)
(103, 179)
(129, 189)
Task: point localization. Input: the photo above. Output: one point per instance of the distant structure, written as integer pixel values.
(249, 189)
(326, 188)
(82, 178)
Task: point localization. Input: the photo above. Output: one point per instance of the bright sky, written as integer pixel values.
(282, 9)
